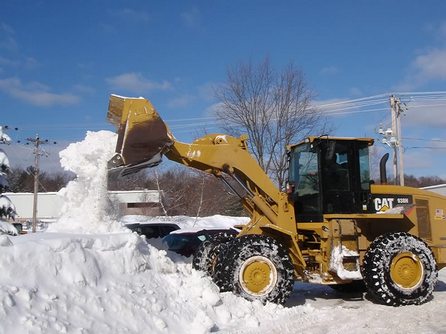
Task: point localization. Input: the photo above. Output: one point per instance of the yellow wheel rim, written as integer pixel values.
(406, 270)
(258, 275)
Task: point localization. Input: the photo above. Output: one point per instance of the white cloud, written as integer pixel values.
(84, 89)
(355, 91)
(329, 70)
(21, 156)
(431, 65)
(35, 93)
(181, 101)
(136, 83)
(212, 110)
(202, 93)
(428, 65)
(425, 113)
(8, 62)
(424, 157)
(442, 30)
(418, 159)
(7, 37)
(131, 15)
(191, 18)
(30, 63)
(107, 28)
(207, 91)
(11, 56)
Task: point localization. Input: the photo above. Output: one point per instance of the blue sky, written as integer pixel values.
(60, 60)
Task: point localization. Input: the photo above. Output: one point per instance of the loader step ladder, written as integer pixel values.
(345, 249)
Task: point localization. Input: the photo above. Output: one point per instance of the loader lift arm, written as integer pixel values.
(143, 138)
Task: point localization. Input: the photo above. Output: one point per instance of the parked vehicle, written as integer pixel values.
(152, 230)
(41, 226)
(19, 228)
(186, 241)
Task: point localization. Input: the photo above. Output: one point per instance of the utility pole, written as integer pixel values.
(398, 162)
(37, 153)
(392, 137)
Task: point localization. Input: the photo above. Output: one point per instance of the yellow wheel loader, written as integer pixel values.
(332, 226)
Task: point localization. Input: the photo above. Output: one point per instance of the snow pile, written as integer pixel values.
(86, 203)
(117, 283)
(7, 228)
(110, 283)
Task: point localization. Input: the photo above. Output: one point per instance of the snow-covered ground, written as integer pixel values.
(89, 274)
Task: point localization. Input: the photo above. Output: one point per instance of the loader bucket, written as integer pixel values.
(142, 134)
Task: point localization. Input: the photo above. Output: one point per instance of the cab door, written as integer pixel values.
(304, 182)
(345, 176)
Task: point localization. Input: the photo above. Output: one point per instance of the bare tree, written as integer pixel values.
(195, 193)
(273, 108)
(136, 181)
(22, 180)
(159, 191)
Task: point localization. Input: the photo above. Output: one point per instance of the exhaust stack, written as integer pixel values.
(382, 168)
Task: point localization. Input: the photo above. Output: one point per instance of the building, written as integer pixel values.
(439, 189)
(134, 202)
(137, 202)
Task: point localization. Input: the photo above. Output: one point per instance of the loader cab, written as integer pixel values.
(329, 175)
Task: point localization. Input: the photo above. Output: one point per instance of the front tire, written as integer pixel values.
(257, 267)
(399, 269)
(207, 253)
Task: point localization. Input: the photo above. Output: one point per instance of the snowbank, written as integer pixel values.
(117, 283)
(109, 283)
(7, 228)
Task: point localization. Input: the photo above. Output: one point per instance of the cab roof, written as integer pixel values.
(312, 139)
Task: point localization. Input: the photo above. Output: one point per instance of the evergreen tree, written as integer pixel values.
(7, 208)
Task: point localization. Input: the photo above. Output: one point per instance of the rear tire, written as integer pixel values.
(399, 269)
(256, 267)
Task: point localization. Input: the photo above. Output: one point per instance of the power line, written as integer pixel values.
(354, 112)
(337, 108)
(415, 106)
(354, 100)
(422, 93)
(427, 147)
(424, 139)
